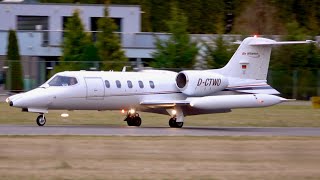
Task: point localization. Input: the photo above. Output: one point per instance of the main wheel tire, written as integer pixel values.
(130, 121)
(41, 120)
(137, 121)
(178, 124)
(172, 122)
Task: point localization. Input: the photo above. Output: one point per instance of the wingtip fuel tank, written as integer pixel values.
(236, 101)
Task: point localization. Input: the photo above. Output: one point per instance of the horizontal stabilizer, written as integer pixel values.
(271, 42)
(252, 58)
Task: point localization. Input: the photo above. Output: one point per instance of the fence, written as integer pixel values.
(296, 84)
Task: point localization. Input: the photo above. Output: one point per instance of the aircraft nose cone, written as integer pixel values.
(14, 99)
(9, 100)
(34, 98)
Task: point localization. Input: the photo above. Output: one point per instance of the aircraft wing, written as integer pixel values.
(252, 87)
(165, 103)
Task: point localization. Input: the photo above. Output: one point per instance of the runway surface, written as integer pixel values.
(155, 131)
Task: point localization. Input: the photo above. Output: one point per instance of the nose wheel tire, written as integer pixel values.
(41, 120)
(174, 124)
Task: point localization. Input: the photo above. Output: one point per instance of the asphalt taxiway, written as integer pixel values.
(104, 130)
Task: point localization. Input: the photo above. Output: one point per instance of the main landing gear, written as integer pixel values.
(41, 120)
(133, 118)
(177, 117)
(174, 124)
(176, 120)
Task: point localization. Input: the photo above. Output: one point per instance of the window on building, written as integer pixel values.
(64, 23)
(39, 23)
(140, 84)
(151, 84)
(107, 83)
(129, 84)
(94, 25)
(118, 83)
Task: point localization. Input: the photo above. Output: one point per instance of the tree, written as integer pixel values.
(295, 67)
(78, 48)
(178, 51)
(219, 55)
(108, 43)
(14, 80)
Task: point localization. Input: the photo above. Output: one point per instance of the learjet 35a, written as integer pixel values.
(240, 84)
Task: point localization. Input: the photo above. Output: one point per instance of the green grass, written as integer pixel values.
(287, 115)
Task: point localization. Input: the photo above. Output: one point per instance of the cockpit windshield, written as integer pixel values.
(63, 81)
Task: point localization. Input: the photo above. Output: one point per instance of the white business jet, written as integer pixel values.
(240, 84)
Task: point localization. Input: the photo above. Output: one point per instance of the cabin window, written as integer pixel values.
(129, 84)
(140, 84)
(151, 84)
(107, 83)
(63, 81)
(118, 83)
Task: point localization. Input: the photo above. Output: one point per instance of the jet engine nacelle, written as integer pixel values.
(200, 83)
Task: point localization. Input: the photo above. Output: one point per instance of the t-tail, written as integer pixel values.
(251, 60)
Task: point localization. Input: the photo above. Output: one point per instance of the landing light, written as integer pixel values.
(64, 115)
(174, 112)
(132, 111)
(7, 100)
(122, 111)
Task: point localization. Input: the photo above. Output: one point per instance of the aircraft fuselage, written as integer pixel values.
(102, 91)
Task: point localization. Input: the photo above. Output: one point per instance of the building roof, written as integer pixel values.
(15, 2)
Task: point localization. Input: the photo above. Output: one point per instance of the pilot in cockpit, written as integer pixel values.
(63, 81)
(73, 81)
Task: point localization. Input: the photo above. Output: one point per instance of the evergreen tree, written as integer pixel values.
(294, 68)
(220, 54)
(178, 51)
(14, 80)
(108, 43)
(78, 48)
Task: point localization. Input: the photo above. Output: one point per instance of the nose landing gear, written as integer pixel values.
(133, 118)
(41, 120)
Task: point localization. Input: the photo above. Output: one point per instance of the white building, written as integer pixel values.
(40, 32)
(40, 28)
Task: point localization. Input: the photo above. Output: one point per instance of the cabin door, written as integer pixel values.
(95, 87)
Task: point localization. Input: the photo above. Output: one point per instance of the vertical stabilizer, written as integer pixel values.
(251, 60)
